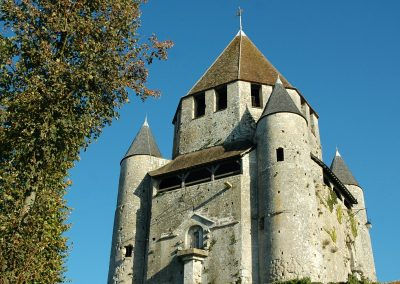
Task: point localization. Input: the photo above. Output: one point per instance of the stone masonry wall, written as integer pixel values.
(364, 259)
(235, 123)
(344, 238)
(131, 219)
(224, 215)
(288, 209)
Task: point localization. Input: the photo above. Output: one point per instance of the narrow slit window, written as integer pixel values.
(255, 95)
(221, 98)
(280, 155)
(199, 105)
(128, 251)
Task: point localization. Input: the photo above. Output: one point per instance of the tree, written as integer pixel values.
(65, 70)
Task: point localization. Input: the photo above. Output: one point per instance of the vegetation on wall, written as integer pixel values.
(352, 279)
(339, 214)
(65, 69)
(295, 281)
(332, 234)
(353, 223)
(331, 200)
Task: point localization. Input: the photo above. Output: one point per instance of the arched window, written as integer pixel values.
(195, 237)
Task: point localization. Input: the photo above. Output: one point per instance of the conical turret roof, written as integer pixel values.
(240, 60)
(280, 101)
(144, 143)
(340, 169)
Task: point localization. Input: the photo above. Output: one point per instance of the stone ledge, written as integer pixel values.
(192, 253)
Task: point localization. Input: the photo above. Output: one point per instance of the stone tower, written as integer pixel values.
(246, 197)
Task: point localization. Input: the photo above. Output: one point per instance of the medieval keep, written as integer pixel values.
(246, 197)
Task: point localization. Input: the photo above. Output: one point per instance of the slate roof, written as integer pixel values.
(341, 170)
(240, 60)
(199, 158)
(280, 101)
(144, 143)
(335, 179)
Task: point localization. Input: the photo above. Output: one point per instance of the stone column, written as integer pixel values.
(193, 264)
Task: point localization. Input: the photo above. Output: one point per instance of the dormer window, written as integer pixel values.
(199, 105)
(221, 98)
(255, 95)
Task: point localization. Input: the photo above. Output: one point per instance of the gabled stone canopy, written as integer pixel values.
(340, 169)
(241, 60)
(144, 143)
(280, 101)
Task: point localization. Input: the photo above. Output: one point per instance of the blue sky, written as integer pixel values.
(344, 57)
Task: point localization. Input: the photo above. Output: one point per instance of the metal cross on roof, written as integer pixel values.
(239, 13)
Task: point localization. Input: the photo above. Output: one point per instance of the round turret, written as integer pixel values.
(129, 243)
(363, 265)
(287, 202)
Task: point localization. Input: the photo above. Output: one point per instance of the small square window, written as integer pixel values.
(199, 105)
(221, 98)
(255, 95)
(128, 251)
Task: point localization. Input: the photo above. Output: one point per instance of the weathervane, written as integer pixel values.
(239, 13)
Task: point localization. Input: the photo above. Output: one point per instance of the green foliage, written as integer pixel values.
(295, 281)
(321, 200)
(353, 223)
(339, 214)
(332, 234)
(65, 69)
(352, 279)
(331, 200)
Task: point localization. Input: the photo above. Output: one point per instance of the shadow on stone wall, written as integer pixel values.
(142, 231)
(242, 135)
(172, 273)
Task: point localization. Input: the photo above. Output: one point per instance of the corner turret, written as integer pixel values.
(285, 192)
(144, 143)
(340, 169)
(362, 259)
(280, 101)
(129, 242)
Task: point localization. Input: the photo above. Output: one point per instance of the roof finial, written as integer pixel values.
(239, 13)
(278, 80)
(145, 123)
(337, 152)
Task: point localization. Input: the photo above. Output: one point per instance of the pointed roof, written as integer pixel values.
(340, 169)
(280, 101)
(144, 143)
(240, 60)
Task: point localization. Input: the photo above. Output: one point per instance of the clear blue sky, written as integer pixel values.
(344, 56)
